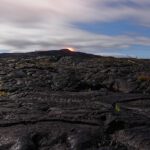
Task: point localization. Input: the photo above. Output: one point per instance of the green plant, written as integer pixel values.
(117, 107)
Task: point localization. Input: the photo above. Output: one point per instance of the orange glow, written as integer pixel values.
(71, 49)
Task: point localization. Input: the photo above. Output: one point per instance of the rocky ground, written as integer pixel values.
(62, 100)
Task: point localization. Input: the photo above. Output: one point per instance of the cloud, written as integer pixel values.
(19, 11)
(63, 36)
(48, 24)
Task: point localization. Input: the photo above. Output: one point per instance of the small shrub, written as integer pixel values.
(144, 78)
(3, 93)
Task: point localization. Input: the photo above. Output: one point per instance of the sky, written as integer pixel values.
(104, 27)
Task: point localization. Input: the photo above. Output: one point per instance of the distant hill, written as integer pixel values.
(56, 53)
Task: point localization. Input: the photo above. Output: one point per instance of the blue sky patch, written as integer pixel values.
(121, 27)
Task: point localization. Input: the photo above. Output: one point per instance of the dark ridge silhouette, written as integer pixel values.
(56, 53)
